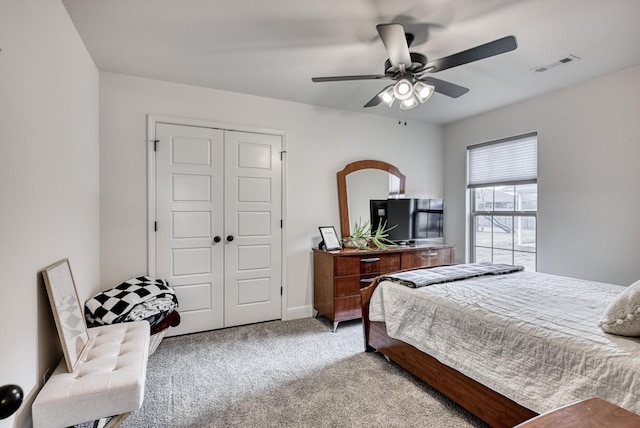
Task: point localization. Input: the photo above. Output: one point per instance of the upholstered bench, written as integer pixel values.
(108, 379)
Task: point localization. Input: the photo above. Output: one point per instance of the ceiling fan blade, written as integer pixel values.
(373, 101)
(356, 77)
(395, 43)
(445, 88)
(376, 99)
(487, 50)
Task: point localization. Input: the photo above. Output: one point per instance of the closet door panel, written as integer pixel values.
(253, 214)
(189, 201)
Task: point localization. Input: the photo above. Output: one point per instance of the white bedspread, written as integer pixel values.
(532, 337)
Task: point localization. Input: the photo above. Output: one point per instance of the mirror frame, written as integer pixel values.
(343, 199)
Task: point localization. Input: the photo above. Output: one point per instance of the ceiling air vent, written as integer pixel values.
(562, 61)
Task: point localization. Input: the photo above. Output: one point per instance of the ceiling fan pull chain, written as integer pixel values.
(402, 120)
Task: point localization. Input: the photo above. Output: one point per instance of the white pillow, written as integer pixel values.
(622, 316)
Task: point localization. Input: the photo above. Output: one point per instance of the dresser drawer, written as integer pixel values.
(351, 285)
(426, 258)
(347, 308)
(367, 264)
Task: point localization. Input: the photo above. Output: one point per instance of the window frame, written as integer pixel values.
(513, 214)
(474, 213)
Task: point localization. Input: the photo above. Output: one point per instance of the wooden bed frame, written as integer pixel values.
(488, 405)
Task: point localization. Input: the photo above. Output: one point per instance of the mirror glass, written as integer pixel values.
(367, 184)
(361, 181)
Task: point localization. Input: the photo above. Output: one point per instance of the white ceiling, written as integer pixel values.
(272, 48)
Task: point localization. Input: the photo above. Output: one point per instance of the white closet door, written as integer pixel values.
(189, 211)
(253, 238)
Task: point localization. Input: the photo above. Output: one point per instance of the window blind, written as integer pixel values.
(504, 162)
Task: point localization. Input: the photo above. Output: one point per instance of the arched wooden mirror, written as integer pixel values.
(361, 181)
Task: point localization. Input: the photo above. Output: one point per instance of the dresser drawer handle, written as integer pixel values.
(371, 260)
(429, 255)
(367, 280)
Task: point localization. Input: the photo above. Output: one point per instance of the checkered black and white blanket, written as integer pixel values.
(133, 300)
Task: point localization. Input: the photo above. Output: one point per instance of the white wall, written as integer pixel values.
(48, 181)
(319, 143)
(588, 175)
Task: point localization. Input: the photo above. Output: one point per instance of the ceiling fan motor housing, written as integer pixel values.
(418, 62)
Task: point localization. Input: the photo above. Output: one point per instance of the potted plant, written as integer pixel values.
(379, 237)
(360, 235)
(364, 238)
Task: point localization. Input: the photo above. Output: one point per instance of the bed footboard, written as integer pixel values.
(490, 406)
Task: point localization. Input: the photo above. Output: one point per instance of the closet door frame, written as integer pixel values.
(152, 120)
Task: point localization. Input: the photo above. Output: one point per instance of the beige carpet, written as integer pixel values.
(285, 374)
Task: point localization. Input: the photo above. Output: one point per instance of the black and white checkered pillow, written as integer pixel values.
(112, 306)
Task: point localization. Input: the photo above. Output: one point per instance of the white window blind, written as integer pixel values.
(512, 161)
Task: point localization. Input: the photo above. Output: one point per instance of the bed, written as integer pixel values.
(506, 347)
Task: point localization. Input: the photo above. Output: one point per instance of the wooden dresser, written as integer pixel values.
(339, 275)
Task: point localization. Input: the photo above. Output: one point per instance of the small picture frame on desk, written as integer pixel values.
(330, 238)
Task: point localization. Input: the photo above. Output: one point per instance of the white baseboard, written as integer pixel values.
(299, 312)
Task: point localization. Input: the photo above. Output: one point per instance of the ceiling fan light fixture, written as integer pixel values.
(387, 96)
(409, 103)
(423, 91)
(403, 89)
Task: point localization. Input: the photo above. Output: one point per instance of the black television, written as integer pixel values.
(378, 212)
(415, 220)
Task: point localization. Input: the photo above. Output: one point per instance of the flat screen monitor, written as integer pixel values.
(414, 219)
(378, 211)
(400, 215)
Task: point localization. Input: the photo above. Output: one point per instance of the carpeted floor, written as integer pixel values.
(285, 374)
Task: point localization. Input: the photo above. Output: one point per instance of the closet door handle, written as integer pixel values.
(229, 238)
(216, 239)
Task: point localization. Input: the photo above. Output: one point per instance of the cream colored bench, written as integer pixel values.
(108, 379)
(104, 369)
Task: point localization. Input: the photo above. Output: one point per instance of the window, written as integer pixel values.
(502, 182)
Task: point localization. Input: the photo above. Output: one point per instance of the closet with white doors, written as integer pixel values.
(216, 201)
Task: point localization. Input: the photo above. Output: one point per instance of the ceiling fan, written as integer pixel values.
(410, 69)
